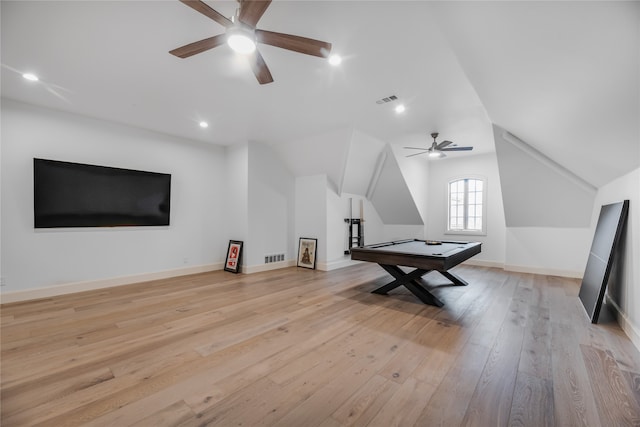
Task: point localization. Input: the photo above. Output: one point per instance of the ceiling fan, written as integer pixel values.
(437, 150)
(241, 30)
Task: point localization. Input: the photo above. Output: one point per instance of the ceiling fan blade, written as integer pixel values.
(417, 154)
(199, 46)
(206, 10)
(416, 148)
(294, 43)
(260, 68)
(444, 144)
(457, 149)
(252, 10)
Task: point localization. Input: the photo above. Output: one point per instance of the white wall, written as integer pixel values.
(337, 231)
(236, 199)
(624, 288)
(45, 257)
(270, 206)
(375, 230)
(548, 250)
(311, 213)
(547, 210)
(444, 170)
(525, 249)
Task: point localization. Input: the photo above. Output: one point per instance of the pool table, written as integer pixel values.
(424, 256)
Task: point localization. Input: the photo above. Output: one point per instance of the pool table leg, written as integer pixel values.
(408, 280)
(457, 280)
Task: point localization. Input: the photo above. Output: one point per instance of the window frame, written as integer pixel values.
(468, 232)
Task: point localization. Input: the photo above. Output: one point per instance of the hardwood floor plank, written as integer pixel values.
(218, 379)
(363, 405)
(574, 401)
(450, 401)
(532, 402)
(492, 398)
(615, 401)
(306, 347)
(633, 379)
(169, 416)
(252, 406)
(20, 401)
(405, 406)
(299, 344)
(536, 348)
(440, 345)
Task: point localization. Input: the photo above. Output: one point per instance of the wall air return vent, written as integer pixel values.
(387, 99)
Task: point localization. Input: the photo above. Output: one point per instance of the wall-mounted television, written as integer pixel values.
(80, 195)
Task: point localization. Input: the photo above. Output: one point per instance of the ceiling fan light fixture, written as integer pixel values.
(436, 154)
(241, 40)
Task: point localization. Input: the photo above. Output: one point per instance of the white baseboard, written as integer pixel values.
(544, 271)
(322, 266)
(69, 288)
(625, 323)
(335, 264)
(482, 263)
(267, 267)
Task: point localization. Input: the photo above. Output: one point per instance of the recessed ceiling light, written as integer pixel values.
(400, 108)
(31, 77)
(335, 60)
(204, 125)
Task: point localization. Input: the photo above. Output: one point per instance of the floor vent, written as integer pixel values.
(273, 258)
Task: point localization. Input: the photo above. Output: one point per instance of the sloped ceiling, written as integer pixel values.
(547, 195)
(391, 196)
(563, 76)
(365, 159)
(321, 154)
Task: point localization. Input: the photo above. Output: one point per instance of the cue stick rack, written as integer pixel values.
(355, 228)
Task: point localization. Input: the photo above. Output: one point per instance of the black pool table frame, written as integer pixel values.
(424, 258)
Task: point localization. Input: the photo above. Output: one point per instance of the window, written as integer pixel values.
(467, 207)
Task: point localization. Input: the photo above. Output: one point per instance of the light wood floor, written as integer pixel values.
(298, 347)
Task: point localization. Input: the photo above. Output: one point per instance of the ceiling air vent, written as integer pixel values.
(387, 99)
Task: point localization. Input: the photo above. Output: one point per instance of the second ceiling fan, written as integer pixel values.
(437, 150)
(243, 27)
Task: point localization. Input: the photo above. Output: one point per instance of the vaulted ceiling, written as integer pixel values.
(561, 76)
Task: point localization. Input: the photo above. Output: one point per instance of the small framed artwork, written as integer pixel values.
(234, 254)
(307, 253)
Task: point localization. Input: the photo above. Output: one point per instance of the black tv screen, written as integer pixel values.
(78, 195)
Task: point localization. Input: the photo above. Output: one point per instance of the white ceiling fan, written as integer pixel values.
(437, 150)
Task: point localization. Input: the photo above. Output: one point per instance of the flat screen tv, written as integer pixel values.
(78, 195)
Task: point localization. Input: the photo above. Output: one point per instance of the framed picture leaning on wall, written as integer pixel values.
(234, 254)
(307, 252)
